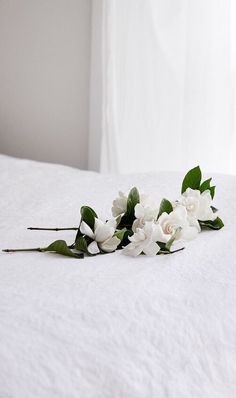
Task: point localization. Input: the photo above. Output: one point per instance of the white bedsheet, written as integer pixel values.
(111, 326)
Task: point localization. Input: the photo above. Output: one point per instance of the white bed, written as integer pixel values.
(111, 326)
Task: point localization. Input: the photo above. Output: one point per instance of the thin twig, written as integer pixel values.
(53, 229)
(34, 249)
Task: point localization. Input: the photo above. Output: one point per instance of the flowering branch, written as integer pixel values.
(139, 226)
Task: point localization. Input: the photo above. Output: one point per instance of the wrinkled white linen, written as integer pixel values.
(111, 326)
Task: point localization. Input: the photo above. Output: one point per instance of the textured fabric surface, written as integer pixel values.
(111, 326)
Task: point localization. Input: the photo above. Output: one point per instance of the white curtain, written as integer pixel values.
(162, 85)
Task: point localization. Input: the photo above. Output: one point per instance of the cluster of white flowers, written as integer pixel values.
(149, 230)
(139, 226)
(187, 211)
(103, 236)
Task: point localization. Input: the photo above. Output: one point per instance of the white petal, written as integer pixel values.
(180, 211)
(205, 212)
(139, 211)
(136, 224)
(163, 218)
(103, 232)
(195, 193)
(207, 196)
(152, 213)
(138, 236)
(151, 249)
(193, 222)
(115, 211)
(93, 248)
(112, 223)
(110, 245)
(86, 230)
(119, 205)
(148, 228)
(159, 236)
(133, 250)
(98, 223)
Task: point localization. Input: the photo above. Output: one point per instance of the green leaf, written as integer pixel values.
(216, 224)
(120, 233)
(212, 190)
(165, 207)
(192, 179)
(125, 241)
(60, 247)
(81, 244)
(205, 185)
(88, 215)
(132, 201)
(214, 209)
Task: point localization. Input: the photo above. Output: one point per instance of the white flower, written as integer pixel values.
(144, 211)
(119, 205)
(178, 218)
(198, 205)
(144, 240)
(103, 236)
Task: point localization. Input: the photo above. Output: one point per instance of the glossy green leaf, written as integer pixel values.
(216, 224)
(128, 218)
(212, 191)
(125, 240)
(192, 179)
(81, 244)
(60, 247)
(120, 233)
(133, 200)
(165, 207)
(205, 185)
(88, 215)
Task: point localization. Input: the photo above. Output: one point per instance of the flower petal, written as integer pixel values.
(133, 250)
(195, 193)
(86, 230)
(93, 248)
(180, 211)
(151, 249)
(103, 232)
(110, 245)
(158, 235)
(119, 205)
(112, 223)
(139, 211)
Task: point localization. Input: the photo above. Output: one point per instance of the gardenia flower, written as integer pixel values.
(103, 236)
(144, 240)
(144, 211)
(178, 218)
(119, 205)
(198, 205)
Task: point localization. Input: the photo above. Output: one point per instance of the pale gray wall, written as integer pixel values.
(44, 79)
